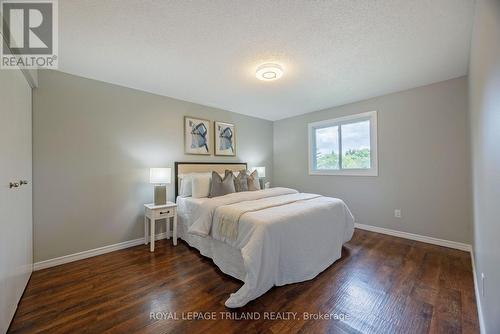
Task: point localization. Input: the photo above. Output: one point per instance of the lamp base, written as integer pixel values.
(160, 195)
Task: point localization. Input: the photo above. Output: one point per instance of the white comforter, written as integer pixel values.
(280, 244)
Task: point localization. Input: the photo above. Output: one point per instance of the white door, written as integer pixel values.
(16, 223)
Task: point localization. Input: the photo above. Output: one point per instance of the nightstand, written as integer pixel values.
(154, 213)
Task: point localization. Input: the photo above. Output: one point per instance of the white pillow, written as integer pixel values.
(186, 181)
(200, 186)
(186, 184)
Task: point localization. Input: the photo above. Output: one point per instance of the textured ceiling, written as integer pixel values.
(333, 52)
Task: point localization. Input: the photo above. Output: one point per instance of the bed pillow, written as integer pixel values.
(186, 186)
(253, 181)
(200, 186)
(186, 183)
(220, 186)
(241, 181)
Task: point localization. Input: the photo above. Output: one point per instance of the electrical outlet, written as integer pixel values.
(397, 213)
(482, 284)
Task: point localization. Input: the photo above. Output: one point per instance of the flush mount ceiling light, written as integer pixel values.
(269, 72)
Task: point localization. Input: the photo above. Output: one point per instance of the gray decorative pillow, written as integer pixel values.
(241, 181)
(253, 181)
(221, 187)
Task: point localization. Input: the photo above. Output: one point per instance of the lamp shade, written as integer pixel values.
(160, 175)
(261, 171)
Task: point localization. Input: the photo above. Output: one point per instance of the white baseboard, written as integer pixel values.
(92, 252)
(439, 242)
(131, 243)
(417, 237)
(482, 328)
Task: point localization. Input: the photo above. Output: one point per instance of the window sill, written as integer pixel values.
(345, 172)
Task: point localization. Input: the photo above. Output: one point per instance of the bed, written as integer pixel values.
(264, 238)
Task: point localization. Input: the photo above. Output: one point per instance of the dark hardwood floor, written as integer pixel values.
(382, 284)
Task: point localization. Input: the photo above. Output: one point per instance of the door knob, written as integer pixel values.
(23, 182)
(13, 185)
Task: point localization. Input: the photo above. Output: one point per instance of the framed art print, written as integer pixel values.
(225, 139)
(197, 136)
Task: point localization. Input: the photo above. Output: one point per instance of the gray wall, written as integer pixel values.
(484, 99)
(93, 144)
(423, 162)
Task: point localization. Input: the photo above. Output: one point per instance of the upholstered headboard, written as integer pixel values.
(203, 167)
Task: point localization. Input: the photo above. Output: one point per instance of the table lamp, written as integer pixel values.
(160, 177)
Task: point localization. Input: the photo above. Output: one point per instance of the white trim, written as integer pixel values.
(92, 252)
(346, 172)
(417, 237)
(435, 241)
(372, 117)
(482, 327)
(344, 120)
(131, 243)
(439, 242)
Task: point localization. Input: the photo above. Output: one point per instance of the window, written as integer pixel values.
(344, 146)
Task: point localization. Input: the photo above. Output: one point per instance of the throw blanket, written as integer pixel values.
(203, 225)
(227, 217)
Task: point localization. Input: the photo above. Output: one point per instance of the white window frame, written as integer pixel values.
(372, 117)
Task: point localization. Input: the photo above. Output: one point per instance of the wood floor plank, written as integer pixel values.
(382, 284)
